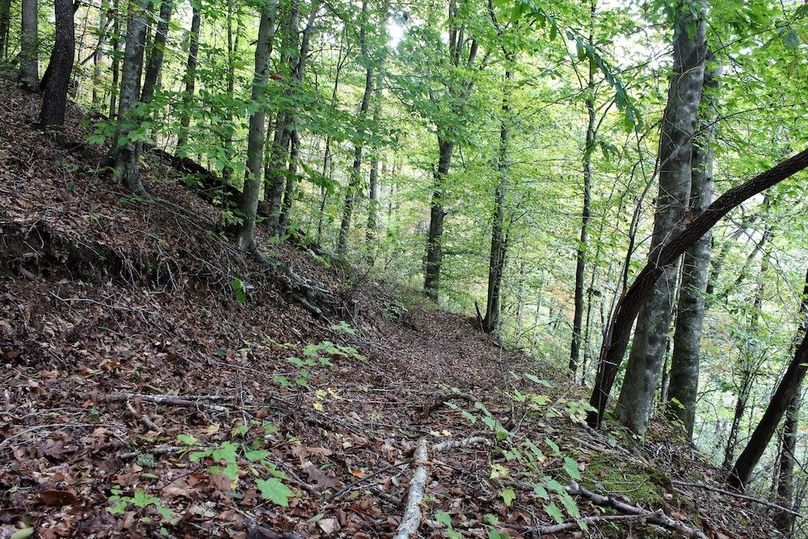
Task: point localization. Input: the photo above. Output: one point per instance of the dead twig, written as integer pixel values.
(737, 495)
(191, 401)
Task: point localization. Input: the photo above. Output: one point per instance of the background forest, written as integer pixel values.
(517, 161)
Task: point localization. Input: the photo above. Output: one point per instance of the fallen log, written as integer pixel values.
(412, 511)
(190, 401)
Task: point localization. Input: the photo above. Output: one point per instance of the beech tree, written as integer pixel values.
(54, 99)
(29, 45)
(155, 63)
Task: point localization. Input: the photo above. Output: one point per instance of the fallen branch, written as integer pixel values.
(738, 495)
(144, 418)
(653, 517)
(191, 401)
(441, 399)
(412, 512)
(575, 524)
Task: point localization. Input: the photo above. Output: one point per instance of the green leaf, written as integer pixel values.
(571, 467)
(239, 290)
(23, 533)
(275, 491)
(554, 512)
(444, 518)
(226, 452)
(508, 495)
(256, 454)
(187, 439)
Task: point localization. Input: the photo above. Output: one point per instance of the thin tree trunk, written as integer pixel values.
(684, 372)
(116, 60)
(127, 154)
(190, 78)
(5, 19)
(29, 45)
(359, 143)
(54, 99)
(232, 47)
(373, 179)
(580, 257)
(785, 394)
(98, 54)
(787, 461)
(619, 328)
(248, 205)
(499, 243)
(158, 49)
(434, 252)
(678, 125)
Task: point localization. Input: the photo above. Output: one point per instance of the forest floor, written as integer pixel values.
(139, 397)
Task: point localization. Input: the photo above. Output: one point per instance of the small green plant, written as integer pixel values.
(446, 519)
(119, 504)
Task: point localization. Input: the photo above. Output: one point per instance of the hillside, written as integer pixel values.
(142, 395)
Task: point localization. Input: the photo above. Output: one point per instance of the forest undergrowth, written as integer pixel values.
(156, 382)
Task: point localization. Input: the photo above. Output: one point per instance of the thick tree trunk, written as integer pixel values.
(678, 125)
(786, 392)
(54, 99)
(359, 143)
(127, 154)
(248, 205)
(29, 45)
(684, 372)
(190, 79)
(619, 329)
(434, 252)
(786, 463)
(5, 19)
(158, 49)
(499, 243)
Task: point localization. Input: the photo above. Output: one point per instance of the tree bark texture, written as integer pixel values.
(54, 100)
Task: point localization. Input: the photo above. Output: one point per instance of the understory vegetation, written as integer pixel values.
(376, 268)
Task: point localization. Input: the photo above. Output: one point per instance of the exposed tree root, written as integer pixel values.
(412, 511)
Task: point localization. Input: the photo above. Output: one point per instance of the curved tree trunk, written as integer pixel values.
(785, 394)
(684, 372)
(619, 329)
(678, 125)
(54, 99)
(158, 49)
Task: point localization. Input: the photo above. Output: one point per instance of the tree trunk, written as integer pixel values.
(499, 243)
(580, 256)
(54, 99)
(787, 462)
(292, 132)
(678, 125)
(116, 60)
(619, 329)
(190, 78)
(127, 153)
(248, 205)
(356, 168)
(98, 55)
(5, 18)
(29, 45)
(232, 47)
(158, 49)
(786, 393)
(684, 372)
(434, 253)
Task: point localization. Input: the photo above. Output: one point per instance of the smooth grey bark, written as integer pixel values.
(248, 205)
(783, 396)
(190, 77)
(684, 371)
(359, 143)
(54, 100)
(580, 255)
(158, 49)
(29, 45)
(126, 156)
(5, 20)
(499, 241)
(678, 126)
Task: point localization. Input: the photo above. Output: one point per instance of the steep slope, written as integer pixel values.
(142, 395)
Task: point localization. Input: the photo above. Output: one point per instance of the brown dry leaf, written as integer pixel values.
(57, 498)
